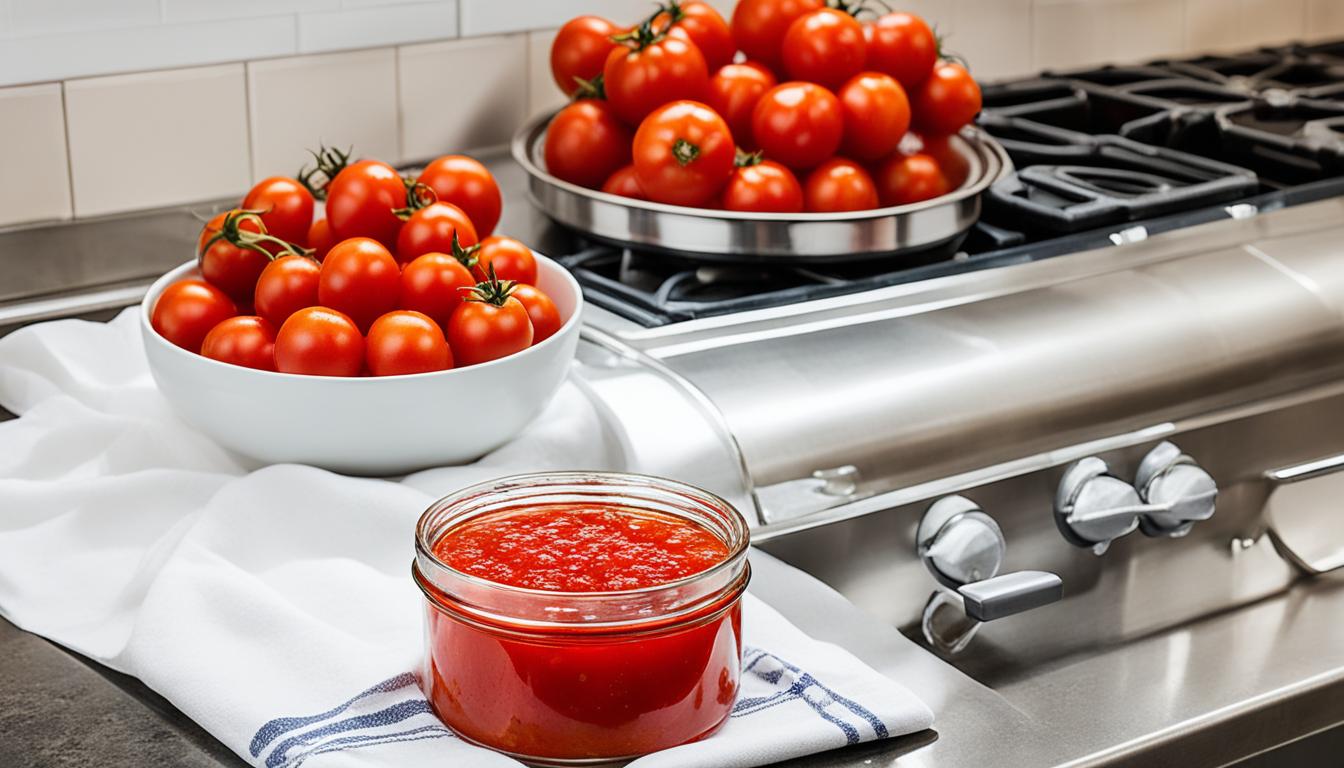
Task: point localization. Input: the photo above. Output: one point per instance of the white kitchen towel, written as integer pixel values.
(274, 605)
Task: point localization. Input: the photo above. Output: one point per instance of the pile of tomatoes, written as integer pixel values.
(812, 115)
(400, 276)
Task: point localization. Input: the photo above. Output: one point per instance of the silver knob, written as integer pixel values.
(1181, 490)
(1094, 507)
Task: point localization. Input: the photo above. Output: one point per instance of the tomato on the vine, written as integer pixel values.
(734, 91)
(824, 46)
(901, 45)
(904, 179)
(362, 202)
(839, 185)
(510, 259)
(651, 69)
(247, 340)
(876, 115)
(186, 311)
(580, 50)
(699, 23)
(319, 341)
(541, 311)
(404, 342)
(759, 25)
(320, 238)
(798, 124)
(436, 283)
(683, 153)
(434, 229)
(762, 186)
(586, 143)
(466, 183)
(948, 99)
(286, 285)
(286, 208)
(224, 263)
(624, 182)
(360, 279)
(489, 325)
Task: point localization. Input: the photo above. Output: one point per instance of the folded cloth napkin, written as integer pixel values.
(274, 605)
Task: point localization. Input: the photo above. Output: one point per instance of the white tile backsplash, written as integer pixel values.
(1068, 34)
(1214, 26)
(382, 25)
(976, 31)
(543, 95)
(1325, 20)
(491, 17)
(37, 178)
(1143, 30)
(204, 10)
(437, 79)
(32, 18)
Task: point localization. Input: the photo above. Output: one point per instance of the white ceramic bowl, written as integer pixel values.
(368, 425)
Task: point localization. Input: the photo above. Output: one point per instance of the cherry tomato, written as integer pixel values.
(360, 279)
(432, 229)
(733, 92)
(319, 341)
(464, 182)
(361, 200)
(903, 46)
(489, 325)
(286, 285)
(904, 179)
(580, 50)
(434, 284)
(511, 259)
(947, 100)
(762, 186)
(798, 124)
(876, 115)
(839, 185)
(248, 341)
(586, 143)
(824, 46)
(540, 310)
(683, 154)
(320, 238)
(699, 23)
(624, 182)
(954, 165)
(657, 70)
(226, 266)
(286, 206)
(759, 26)
(406, 342)
(186, 311)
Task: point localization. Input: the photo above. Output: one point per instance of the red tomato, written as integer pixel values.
(876, 115)
(286, 285)
(624, 182)
(464, 182)
(733, 92)
(762, 186)
(230, 268)
(839, 185)
(824, 46)
(320, 238)
(903, 46)
(511, 259)
(683, 154)
(319, 341)
(540, 310)
(434, 284)
(286, 206)
(406, 342)
(432, 229)
(702, 25)
(579, 51)
(489, 325)
(248, 341)
(954, 165)
(947, 100)
(759, 25)
(360, 279)
(361, 201)
(798, 124)
(655, 71)
(904, 179)
(586, 143)
(186, 311)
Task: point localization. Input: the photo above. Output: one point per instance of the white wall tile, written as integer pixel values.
(157, 138)
(1067, 34)
(440, 115)
(1325, 20)
(339, 98)
(203, 10)
(543, 95)
(37, 178)
(1210, 27)
(30, 18)
(1143, 30)
(1233, 25)
(979, 32)
(491, 17)
(384, 25)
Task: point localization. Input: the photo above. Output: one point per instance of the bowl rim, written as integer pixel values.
(182, 271)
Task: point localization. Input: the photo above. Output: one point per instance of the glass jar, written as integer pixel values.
(567, 678)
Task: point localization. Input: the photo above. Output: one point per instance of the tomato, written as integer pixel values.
(683, 154)
(658, 69)
(904, 179)
(947, 100)
(319, 341)
(586, 143)
(824, 46)
(579, 51)
(762, 186)
(286, 208)
(406, 342)
(699, 23)
(361, 201)
(954, 165)
(320, 238)
(624, 182)
(248, 341)
(226, 265)
(540, 310)
(464, 182)
(286, 285)
(733, 92)
(839, 185)
(759, 26)
(798, 124)
(360, 279)
(876, 115)
(510, 258)
(432, 229)
(435, 284)
(489, 325)
(186, 311)
(903, 46)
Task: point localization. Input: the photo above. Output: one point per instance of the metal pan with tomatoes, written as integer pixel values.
(720, 235)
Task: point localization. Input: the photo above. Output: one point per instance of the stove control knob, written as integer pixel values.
(1094, 507)
(1179, 489)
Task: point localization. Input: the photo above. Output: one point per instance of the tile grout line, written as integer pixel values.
(247, 115)
(69, 156)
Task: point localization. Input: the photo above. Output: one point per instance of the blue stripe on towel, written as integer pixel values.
(392, 714)
(282, 725)
(798, 684)
(422, 733)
